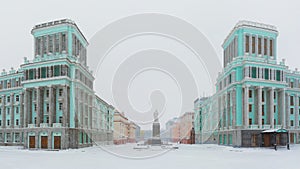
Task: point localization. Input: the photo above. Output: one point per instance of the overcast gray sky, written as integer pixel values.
(213, 18)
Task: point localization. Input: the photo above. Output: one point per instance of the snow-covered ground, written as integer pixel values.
(187, 156)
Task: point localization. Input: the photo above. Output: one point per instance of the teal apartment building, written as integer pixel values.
(254, 92)
(49, 102)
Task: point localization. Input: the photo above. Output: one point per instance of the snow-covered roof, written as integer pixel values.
(275, 131)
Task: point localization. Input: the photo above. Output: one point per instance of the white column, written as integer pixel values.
(296, 111)
(233, 97)
(268, 47)
(256, 45)
(21, 95)
(51, 106)
(282, 105)
(3, 111)
(259, 112)
(12, 113)
(271, 107)
(38, 118)
(287, 110)
(65, 106)
(25, 122)
(246, 107)
(250, 45)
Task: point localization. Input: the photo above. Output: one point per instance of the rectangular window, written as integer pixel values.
(292, 123)
(292, 100)
(56, 43)
(17, 137)
(8, 122)
(8, 99)
(263, 121)
(60, 106)
(35, 107)
(38, 46)
(292, 111)
(56, 70)
(278, 73)
(274, 109)
(263, 96)
(292, 84)
(17, 110)
(8, 137)
(63, 41)
(50, 44)
(259, 46)
(45, 45)
(17, 98)
(271, 47)
(265, 46)
(17, 122)
(253, 44)
(47, 107)
(0, 122)
(47, 93)
(250, 108)
(247, 44)
(43, 72)
(274, 95)
(254, 72)
(60, 92)
(250, 93)
(263, 110)
(60, 119)
(8, 111)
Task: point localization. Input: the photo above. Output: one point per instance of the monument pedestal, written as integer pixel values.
(154, 141)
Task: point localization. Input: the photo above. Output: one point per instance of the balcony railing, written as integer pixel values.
(253, 126)
(266, 126)
(278, 126)
(31, 125)
(57, 125)
(44, 125)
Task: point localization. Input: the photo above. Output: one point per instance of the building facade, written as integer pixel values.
(181, 129)
(49, 102)
(254, 92)
(124, 130)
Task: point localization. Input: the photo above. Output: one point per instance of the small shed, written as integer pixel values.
(272, 137)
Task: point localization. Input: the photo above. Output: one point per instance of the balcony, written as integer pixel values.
(266, 126)
(57, 125)
(44, 125)
(253, 126)
(31, 125)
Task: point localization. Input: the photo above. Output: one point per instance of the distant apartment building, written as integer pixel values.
(181, 129)
(124, 130)
(49, 102)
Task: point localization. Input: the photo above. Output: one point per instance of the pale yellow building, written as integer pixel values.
(124, 130)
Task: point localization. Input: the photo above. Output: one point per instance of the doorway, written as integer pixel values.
(31, 141)
(44, 142)
(57, 142)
